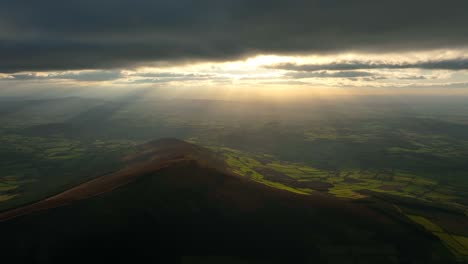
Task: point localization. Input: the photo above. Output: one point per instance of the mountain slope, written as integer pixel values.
(150, 157)
(176, 199)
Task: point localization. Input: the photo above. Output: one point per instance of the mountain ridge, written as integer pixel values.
(182, 207)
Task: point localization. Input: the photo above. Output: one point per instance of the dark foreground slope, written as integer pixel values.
(175, 200)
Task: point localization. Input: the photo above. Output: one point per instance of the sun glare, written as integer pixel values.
(263, 60)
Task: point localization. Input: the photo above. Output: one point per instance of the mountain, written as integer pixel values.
(175, 201)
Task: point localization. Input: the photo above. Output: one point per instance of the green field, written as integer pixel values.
(35, 167)
(457, 244)
(345, 183)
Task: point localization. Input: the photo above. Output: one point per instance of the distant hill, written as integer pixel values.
(175, 200)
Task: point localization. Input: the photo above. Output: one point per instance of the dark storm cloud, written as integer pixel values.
(90, 34)
(452, 64)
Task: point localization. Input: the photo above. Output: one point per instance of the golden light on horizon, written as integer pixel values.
(276, 75)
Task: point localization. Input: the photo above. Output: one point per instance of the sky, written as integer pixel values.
(281, 48)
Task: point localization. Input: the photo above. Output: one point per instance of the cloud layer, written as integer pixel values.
(105, 34)
(89, 76)
(448, 64)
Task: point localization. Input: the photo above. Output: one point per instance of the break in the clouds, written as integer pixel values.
(103, 34)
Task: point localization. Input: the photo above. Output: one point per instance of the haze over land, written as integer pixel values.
(321, 131)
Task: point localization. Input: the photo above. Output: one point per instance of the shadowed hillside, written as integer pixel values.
(177, 199)
(150, 157)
